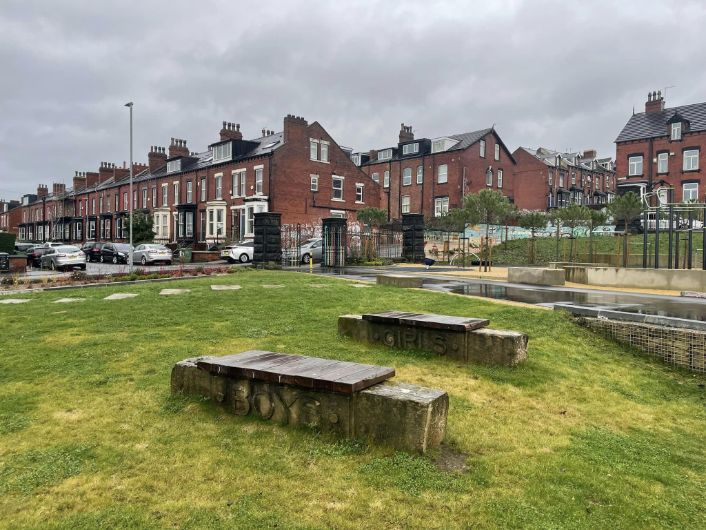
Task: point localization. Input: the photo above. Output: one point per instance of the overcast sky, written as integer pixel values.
(557, 74)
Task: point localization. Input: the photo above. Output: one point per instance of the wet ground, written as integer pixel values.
(672, 306)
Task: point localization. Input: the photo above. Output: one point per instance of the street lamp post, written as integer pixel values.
(130, 200)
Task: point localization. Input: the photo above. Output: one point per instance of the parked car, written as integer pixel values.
(63, 257)
(34, 255)
(152, 253)
(23, 247)
(115, 253)
(311, 248)
(241, 251)
(92, 250)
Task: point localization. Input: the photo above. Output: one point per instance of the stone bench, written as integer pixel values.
(346, 399)
(536, 275)
(460, 338)
(399, 280)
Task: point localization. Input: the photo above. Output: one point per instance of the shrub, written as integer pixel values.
(7, 243)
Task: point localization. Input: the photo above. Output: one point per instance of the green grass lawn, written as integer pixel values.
(516, 252)
(586, 434)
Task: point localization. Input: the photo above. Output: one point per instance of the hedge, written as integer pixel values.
(7, 243)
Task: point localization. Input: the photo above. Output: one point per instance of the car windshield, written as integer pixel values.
(309, 242)
(155, 247)
(122, 247)
(244, 243)
(67, 249)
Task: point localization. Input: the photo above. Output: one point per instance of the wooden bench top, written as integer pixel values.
(427, 320)
(307, 372)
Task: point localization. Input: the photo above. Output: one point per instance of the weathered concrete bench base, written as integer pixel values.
(407, 417)
(536, 276)
(399, 280)
(486, 346)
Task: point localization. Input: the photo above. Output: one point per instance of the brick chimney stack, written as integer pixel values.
(231, 131)
(42, 191)
(79, 180)
(156, 158)
(138, 167)
(655, 102)
(178, 148)
(406, 134)
(58, 188)
(106, 171)
(91, 178)
(589, 153)
(294, 127)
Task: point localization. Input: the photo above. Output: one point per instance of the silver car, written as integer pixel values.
(149, 253)
(64, 257)
(311, 249)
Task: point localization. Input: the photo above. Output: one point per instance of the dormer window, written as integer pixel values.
(385, 154)
(355, 158)
(410, 149)
(676, 131)
(222, 152)
(174, 165)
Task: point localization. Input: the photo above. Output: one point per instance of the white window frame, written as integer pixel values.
(375, 177)
(189, 192)
(174, 165)
(386, 179)
(222, 152)
(407, 176)
(420, 174)
(385, 154)
(675, 133)
(323, 151)
(500, 178)
(340, 214)
(313, 149)
(176, 192)
(442, 174)
(410, 149)
(635, 164)
(405, 204)
(313, 183)
(663, 158)
(497, 151)
(441, 206)
(203, 192)
(335, 179)
(693, 191)
(165, 194)
(259, 175)
(690, 160)
(482, 148)
(359, 193)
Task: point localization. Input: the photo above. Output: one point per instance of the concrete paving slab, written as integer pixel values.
(14, 300)
(270, 286)
(120, 296)
(360, 285)
(68, 300)
(225, 287)
(172, 292)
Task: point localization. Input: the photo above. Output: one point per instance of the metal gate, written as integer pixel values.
(334, 242)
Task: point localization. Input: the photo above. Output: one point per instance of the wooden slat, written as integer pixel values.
(427, 320)
(308, 372)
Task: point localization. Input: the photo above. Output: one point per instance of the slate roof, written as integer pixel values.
(468, 139)
(654, 124)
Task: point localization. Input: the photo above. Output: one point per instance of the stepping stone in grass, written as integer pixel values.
(120, 296)
(68, 300)
(225, 287)
(360, 285)
(171, 292)
(270, 286)
(14, 300)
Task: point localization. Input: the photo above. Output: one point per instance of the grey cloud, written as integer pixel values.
(558, 74)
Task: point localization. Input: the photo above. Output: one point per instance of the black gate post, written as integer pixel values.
(645, 229)
(335, 232)
(268, 238)
(413, 237)
(657, 221)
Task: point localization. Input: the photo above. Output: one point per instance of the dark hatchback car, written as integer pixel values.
(34, 255)
(23, 247)
(115, 253)
(92, 250)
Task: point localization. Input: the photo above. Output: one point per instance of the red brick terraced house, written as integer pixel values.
(664, 149)
(545, 179)
(10, 215)
(432, 175)
(211, 196)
